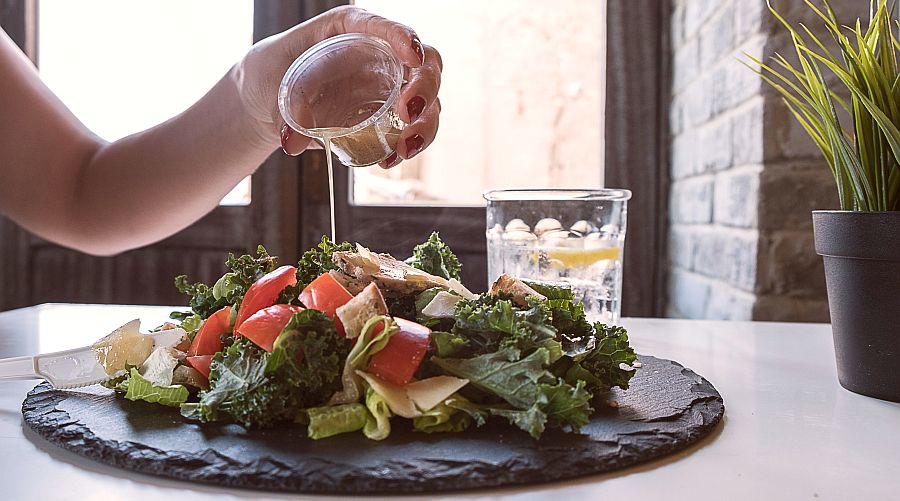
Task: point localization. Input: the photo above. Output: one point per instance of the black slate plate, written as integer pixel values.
(666, 409)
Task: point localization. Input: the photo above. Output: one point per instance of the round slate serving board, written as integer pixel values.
(667, 408)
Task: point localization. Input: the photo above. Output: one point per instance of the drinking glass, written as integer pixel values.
(572, 237)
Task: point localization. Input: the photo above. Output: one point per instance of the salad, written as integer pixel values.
(350, 341)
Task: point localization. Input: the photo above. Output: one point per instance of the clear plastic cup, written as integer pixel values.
(571, 237)
(345, 89)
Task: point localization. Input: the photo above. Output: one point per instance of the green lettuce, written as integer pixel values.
(328, 421)
(367, 344)
(435, 257)
(141, 389)
(442, 418)
(378, 426)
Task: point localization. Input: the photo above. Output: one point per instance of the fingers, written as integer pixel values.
(416, 136)
(422, 87)
(402, 38)
(292, 142)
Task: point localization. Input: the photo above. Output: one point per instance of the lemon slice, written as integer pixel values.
(581, 258)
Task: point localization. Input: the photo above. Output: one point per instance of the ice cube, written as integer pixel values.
(519, 236)
(546, 225)
(584, 227)
(517, 224)
(562, 238)
(600, 240)
(611, 230)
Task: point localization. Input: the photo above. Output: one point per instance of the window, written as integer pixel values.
(124, 66)
(522, 95)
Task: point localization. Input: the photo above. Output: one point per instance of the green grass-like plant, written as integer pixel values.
(865, 158)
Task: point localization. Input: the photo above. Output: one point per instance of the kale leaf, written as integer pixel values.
(491, 321)
(316, 261)
(435, 257)
(231, 287)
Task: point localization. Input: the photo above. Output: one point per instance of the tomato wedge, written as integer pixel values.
(264, 292)
(209, 337)
(399, 360)
(264, 326)
(326, 295)
(201, 363)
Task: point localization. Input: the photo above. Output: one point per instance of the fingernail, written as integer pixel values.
(417, 47)
(414, 145)
(414, 107)
(286, 133)
(392, 160)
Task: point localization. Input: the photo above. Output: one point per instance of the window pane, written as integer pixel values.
(125, 65)
(522, 98)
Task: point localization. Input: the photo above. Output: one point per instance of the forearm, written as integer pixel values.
(144, 187)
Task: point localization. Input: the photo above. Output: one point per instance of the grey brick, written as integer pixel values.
(790, 266)
(698, 101)
(688, 294)
(690, 200)
(684, 155)
(736, 201)
(730, 256)
(726, 303)
(714, 148)
(747, 134)
(717, 36)
(682, 240)
(696, 12)
(788, 194)
(790, 309)
(785, 138)
(685, 65)
(751, 17)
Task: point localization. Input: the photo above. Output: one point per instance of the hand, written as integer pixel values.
(259, 74)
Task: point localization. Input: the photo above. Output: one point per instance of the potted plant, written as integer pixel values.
(855, 121)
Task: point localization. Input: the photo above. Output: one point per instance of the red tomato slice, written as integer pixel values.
(209, 337)
(326, 295)
(264, 326)
(264, 292)
(201, 363)
(400, 358)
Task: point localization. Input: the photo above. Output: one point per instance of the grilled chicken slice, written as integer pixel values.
(389, 274)
(519, 290)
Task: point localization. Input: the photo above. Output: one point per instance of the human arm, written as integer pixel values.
(65, 184)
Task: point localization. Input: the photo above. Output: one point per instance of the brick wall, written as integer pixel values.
(744, 175)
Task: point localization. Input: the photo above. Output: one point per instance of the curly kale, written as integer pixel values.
(309, 356)
(600, 362)
(435, 257)
(255, 388)
(231, 287)
(317, 260)
(491, 321)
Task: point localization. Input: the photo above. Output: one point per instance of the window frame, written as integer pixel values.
(635, 158)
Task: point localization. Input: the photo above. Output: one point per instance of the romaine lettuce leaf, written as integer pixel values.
(142, 389)
(442, 418)
(378, 425)
(328, 421)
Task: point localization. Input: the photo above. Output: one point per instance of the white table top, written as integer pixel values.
(789, 432)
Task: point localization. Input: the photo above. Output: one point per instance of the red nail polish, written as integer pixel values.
(415, 107)
(419, 50)
(391, 160)
(414, 145)
(286, 133)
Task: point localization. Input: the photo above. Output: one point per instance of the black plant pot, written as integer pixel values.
(862, 271)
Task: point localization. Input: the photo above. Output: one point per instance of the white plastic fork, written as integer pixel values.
(63, 369)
